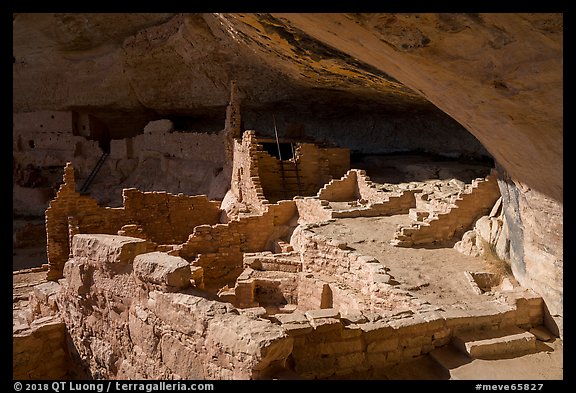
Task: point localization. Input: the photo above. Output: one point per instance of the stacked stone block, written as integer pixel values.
(328, 343)
(164, 217)
(471, 205)
(40, 352)
(353, 186)
(341, 190)
(131, 316)
(246, 185)
(259, 178)
(350, 276)
(196, 146)
(219, 248)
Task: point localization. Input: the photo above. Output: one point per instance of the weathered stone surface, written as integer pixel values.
(262, 341)
(535, 230)
(161, 268)
(185, 313)
(142, 332)
(467, 245)
(40, 353)
(383, 345)
(295, 317)
(381, 31)
(183, 360)
(541, 334)
(43, 299)
(354, 318)
(494, 344)
(323, 313)
(295, 329)
(99, 248)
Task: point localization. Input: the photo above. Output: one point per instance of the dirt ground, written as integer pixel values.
(433, 273)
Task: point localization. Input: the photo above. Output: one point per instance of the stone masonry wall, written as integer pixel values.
(328, 343)
(317, 166)
(44, 150)
(270, 175)
(303, 175)
(125, 326)
(395, 203)
(187, 162)
(160, 158)
(184, 145)
(46, 140)
(163, 217)
(40, 353)
(341, 190)
(219, 248)
(387, 325)
(131, 317)
(245, 185)
(51, 138)
(167, 218)
(470, 206)
(312, 209)
(362, 276)
(319, 291)
(63, 215)
(353, 186)
(259, 178)
(367, 189)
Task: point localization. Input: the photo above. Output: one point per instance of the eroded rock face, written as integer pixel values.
(499, 75)
(535, 228)
(124, 329)
(180, 66)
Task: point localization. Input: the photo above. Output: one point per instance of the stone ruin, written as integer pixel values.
(182, 287)
(252, 265)
(174, 286)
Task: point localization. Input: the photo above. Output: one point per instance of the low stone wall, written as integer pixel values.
(162, 217)
(266, 289)
(341, 190)
(470, 206)
(364, 197)
(185, 145)
(40, 352)
(131, 326)
(349, 273)
(383, 325)
(218, 248)
(312, 209)
(328, 343)
(394, 204)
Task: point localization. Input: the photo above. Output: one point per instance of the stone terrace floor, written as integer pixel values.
(434, 273)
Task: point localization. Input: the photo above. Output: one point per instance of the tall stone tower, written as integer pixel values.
(232, 126)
